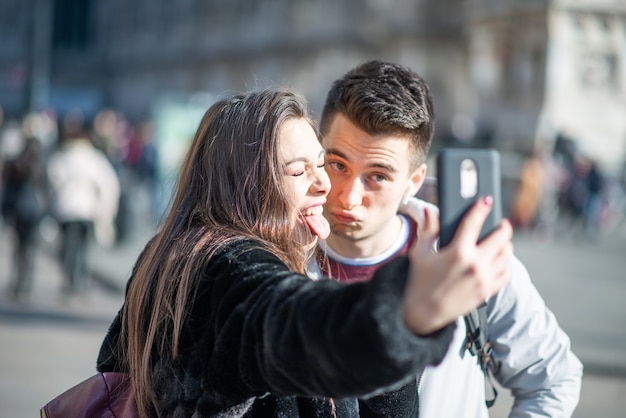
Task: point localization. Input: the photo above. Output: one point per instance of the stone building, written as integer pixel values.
(503, 73)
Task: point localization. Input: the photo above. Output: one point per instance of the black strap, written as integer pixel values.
(477, 343)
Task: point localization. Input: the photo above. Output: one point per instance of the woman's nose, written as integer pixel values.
(321, 182)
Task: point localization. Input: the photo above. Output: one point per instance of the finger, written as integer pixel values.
(414, 207)
(427, 232)
(500, 269)
(494, 242)
(472, 222)
(431, 222)
(503, 275)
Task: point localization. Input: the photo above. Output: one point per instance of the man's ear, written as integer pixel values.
(418, 177)
(415, 181)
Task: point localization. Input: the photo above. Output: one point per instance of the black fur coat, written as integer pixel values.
(262, 341)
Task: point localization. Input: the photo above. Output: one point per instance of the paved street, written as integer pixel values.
(584, 283)
(51, 343)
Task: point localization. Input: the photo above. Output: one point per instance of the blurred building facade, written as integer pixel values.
(503, 73)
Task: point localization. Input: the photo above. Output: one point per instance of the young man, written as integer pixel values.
(377, 126)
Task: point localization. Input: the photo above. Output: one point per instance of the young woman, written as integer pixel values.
(220, 318)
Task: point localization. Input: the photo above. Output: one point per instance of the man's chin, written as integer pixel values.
(345, 234)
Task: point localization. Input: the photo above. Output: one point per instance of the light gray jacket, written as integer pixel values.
(532, 352)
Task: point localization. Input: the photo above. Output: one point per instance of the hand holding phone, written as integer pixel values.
(464, 176)
(459, 277)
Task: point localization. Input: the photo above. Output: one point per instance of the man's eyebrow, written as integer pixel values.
(387, 167)
(332, 151)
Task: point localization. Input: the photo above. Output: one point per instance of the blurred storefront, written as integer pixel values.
(511, 73)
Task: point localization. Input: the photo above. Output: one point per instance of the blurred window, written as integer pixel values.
(72, 25)
(599, 70)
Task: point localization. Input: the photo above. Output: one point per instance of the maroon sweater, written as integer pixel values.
(344, 272)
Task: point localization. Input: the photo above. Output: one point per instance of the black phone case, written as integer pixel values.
(452, 205)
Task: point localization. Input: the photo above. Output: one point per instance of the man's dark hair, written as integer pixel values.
(384, 98)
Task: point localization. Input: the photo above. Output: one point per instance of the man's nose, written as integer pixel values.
(352, 193)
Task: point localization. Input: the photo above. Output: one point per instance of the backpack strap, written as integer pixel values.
(477, 343)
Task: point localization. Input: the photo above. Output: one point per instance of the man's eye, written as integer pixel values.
(378, 178)
(336, 166)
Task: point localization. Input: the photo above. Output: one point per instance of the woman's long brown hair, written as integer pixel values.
(230, 188)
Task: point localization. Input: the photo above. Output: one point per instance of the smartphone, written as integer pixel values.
(463, 177)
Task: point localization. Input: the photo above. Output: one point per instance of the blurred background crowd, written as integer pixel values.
(544, 82)
(71, 179)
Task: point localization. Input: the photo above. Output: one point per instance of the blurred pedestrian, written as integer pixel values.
(23, 207)
(105, 135)
(147, 169)
(86, 192)
(575, 193)
(530, 192)
(595, 200)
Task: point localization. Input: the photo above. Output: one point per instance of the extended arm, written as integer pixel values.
(278, 332)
